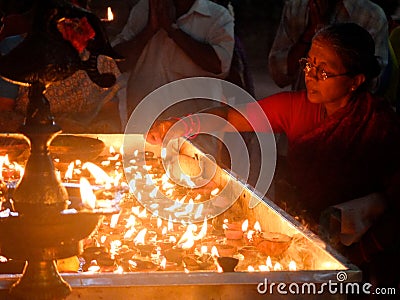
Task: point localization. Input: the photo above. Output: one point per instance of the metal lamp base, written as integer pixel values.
(40, 281)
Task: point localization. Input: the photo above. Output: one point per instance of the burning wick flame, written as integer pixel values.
(110, 15)
(87, 195)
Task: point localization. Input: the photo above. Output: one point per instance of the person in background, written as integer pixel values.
(164, 41)
(78, 104)
(343, 175)
(302, 18)
(15, 21)
(120, 10)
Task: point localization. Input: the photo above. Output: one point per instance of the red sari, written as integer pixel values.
(351, 154)
(332, 160)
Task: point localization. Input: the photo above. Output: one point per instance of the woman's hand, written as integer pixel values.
(159, 130)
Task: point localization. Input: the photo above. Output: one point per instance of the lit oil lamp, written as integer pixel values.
(273, 243)
(233, 231)
(110, 16)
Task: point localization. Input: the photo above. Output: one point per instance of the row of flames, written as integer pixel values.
(99, 177)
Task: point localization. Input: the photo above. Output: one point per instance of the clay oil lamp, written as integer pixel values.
(175, 254)
(273, 243)
(249, 252)
(232, 231)
(146, 249)
(226, 250)
(228, 264)
(167, 265)
(136, 265)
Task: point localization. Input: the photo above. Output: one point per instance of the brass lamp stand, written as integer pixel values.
(41, 233)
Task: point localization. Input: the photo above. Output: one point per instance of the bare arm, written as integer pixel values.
(202, 54)
(180, 127)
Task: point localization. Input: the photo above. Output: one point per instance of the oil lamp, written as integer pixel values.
(41, 230)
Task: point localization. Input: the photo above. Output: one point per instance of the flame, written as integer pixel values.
(163, 263)
(177, 204)
(159, 222)
(186, 178)
(215, 191)
(98, 173)
(143, 214)
(3, 160)
(112, 150)
(135, 210)
(164, 231)
(250, 235)
(167, 185)
(203, 231)
(292, 266)
(187, 239)
(163, 154)
(130, 222)
(153, 193)
(106, 163)
(87, 195)
(214, 251)
(114, 247)
(257, 226)
(169, 192)
(277, 267)
(94, 267)
(129, 233)
(250, 269)
(263, 268)
(139, 239)
(269, 262)
(199, 211)
(149, 179)
(188, 209)
(119, 270)
(70, 171)
(147, 167)
(203, 249)
(20, 169)
(245, 225)
(114, 220)
(110, 15)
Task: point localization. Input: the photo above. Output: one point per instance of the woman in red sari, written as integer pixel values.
(343, 146)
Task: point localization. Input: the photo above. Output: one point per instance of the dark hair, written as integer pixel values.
(355, 47)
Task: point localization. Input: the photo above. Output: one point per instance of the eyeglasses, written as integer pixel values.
(321, 74)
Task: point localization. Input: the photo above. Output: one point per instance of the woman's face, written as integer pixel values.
(336, 89)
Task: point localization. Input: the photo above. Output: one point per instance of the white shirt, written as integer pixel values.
(163, 61)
